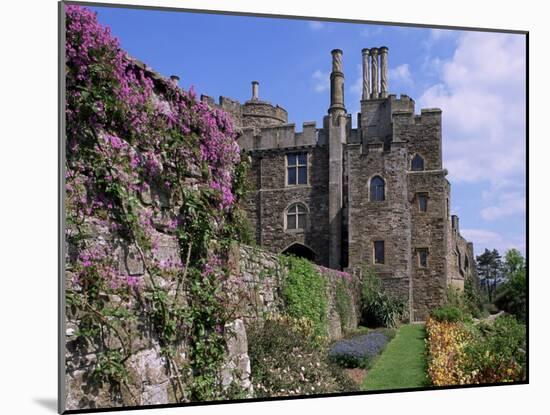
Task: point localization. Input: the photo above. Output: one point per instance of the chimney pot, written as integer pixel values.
(255, 90)
(174, 79)
(383, 71)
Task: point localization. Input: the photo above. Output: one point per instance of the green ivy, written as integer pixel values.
(343, 303)
(305, 293)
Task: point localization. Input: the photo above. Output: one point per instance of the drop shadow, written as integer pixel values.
(48, 403)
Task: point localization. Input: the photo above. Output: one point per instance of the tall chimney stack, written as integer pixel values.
(374, 73)
(337, 84)
(366, 74)
(383, 72)
(255, 88)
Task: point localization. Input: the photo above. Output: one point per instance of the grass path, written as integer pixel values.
(402, 364)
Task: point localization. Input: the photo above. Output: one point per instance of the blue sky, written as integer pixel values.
(476, 78)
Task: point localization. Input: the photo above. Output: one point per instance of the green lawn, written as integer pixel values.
(402, 364)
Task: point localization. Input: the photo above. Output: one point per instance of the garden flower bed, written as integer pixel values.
(359, 351)
(463, 353)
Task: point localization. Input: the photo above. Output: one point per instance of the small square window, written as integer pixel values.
(379, 252)
(422, 202)
(423, 257)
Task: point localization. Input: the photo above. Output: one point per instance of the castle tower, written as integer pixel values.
(258, 113)
(379, 209)
(336, 141)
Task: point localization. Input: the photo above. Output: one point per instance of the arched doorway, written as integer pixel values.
(301, 251)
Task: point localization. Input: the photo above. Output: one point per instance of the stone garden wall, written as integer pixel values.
(255, 291)
(258, 280)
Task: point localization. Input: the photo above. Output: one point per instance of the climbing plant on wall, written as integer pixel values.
(145, 158)
(304, 292)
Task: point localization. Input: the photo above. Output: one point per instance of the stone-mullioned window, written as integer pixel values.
(296, 168)
(296, 217)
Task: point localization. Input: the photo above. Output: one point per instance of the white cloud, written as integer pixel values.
(508, 204)
(316, 25)
(401, 74)
(482, 95)
(321, 81)
(483, 238)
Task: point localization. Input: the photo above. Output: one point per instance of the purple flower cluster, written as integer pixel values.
(328, 272)
(95, 260)
(140, 114)
(358, 350)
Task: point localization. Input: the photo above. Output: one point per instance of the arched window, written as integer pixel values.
(377, 189)
(296, 216)
(417, 163)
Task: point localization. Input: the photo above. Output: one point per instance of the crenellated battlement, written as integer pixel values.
(281, 136)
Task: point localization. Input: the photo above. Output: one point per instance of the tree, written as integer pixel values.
(514, 263)
(489, 269)
(512, 294)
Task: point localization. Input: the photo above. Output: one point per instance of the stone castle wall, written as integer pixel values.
(429, 231)
(270, 198)
(461, 258)
(387, 220)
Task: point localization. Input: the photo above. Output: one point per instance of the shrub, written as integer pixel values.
(285, 362)
(377, 307)
(490, 308)
(468, 302)
(359, 351)
(448, 313)
(461, 354)
(497, 352)
(305, 293)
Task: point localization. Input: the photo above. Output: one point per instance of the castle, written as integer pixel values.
(346, 197)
